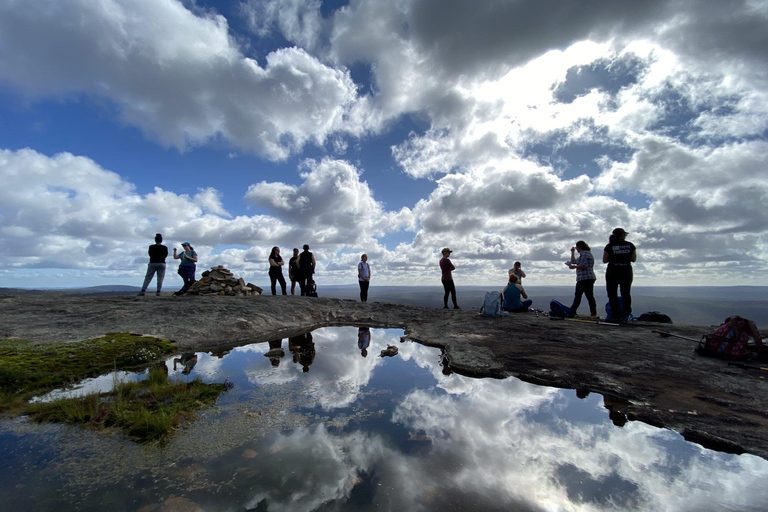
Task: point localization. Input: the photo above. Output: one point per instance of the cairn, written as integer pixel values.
(220, 281)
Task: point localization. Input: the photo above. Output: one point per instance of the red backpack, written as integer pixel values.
(731, 339)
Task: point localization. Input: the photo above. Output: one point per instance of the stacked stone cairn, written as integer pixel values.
(220, 281)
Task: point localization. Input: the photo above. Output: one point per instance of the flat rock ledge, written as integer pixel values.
(660, 381)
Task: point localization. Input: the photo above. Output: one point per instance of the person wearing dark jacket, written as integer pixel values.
(306, 270)
(276, 270)
(619, 255)
(157, 254)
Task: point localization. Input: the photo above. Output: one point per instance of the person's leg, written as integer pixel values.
(188, 275)
(272, 282)
(281, 280)
(589, 292)
(626, 299)
(364, 290)
(293, 286)
(612, 289)
(453, 294)
(447, 288)
(160, 277)
(303, 283)
(577, 295)
(148, 277)
(527, 304)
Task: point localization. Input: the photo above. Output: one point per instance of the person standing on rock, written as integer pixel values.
(363, 277)
(446, 267)
(619, 255)
(276, 270)
(585, 276)
(293, 270)
(157, 254)
(187, 266)
(306, 270)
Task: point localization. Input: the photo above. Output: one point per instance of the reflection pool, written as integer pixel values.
(322, 422)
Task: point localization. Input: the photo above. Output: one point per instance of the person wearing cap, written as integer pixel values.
(619, 255)
(187, 266)
(446, 267)
(157, 254)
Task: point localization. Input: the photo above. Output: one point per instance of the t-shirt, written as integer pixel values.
(446, 267)
(364, 270)
(619, 254)
(305, 261)
(293, 266)
(185, 262)
(278, 269)
(157, 253)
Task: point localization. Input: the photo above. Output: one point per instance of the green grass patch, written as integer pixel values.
(28, 368)
(147, 411)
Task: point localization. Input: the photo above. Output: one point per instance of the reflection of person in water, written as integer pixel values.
(303, 350)
(188, 360)
(616, 409)
(275, 352)
(363, 340)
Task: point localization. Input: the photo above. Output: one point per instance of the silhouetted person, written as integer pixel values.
(157, 254)
(446, 267)
(276, 270)
(275, 352)
(619, 255)
(293, 270)
(306, 269)
(363, 277)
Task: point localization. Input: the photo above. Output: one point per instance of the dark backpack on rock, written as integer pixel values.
(560, 310)
(731, 339)
(655, 316)
(312, 292)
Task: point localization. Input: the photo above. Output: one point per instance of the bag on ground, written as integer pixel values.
(609, 312)
(655, 316)
(312, 292)
(560, 310)
(491, 305)
(731, 339)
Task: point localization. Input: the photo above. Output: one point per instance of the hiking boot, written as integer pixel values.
(140, 294)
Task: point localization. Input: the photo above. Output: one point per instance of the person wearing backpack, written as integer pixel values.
(585, 276)
(619, 255)
(512, 294)
(306, 270)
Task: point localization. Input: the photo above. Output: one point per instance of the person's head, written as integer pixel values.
(364, 257)
(305, 247)
(581, 245)
(364, 353)
(619, 234)
(295, 251)
(512, 279)
(275, 252)
(158, 238)
(186, 246)
(446, 252)
(517, 265)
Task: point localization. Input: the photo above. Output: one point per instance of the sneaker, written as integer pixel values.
(140, 294)
(445, 307)
(157, 294)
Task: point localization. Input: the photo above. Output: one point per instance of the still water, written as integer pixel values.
(312, 424)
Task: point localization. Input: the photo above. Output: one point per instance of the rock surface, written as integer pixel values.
(657, 380)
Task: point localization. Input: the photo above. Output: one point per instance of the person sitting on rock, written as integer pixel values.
(512, 293)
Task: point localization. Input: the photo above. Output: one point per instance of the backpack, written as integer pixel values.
(312, 292)
(491, 305)
(609, 311)
(560, 310)
(731, 339)
(655, 316)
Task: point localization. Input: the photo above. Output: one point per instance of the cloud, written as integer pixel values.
(177, 75)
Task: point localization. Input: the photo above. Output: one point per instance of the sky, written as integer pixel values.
(506, 130)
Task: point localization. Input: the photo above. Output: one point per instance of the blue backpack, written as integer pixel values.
(492, 305)
(560, 310)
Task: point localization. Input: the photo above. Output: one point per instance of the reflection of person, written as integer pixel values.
(275, 352)
(364, 277)
(186, 266)
(446, 267)
(306, 269)
(188, 360)
(619, 255)
(585, 276)
(518, 271)
(512, 293)
(363, 340)
(276, 270)
(157, 254)
(293, 270)
(303, 350)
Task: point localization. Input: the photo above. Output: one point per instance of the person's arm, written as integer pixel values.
(451, 264)
(175, 255)
(522, 273)
(522, 291)
(360, 270)
(606, 256)
(193, 256)
(369, 272)
(633, 255)
(313, 263)
(272, 263)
